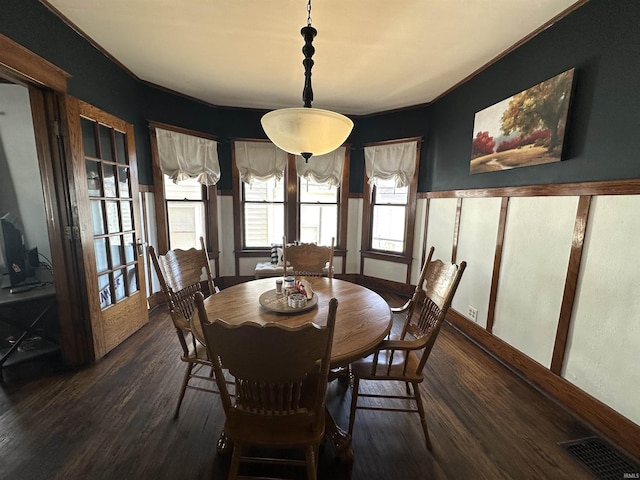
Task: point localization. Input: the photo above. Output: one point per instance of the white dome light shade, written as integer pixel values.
(306, 130)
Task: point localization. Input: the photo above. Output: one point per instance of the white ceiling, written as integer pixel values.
(371, 55)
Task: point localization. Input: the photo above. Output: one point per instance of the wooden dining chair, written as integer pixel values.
(417, 293)
(309, 259)
(280, 376)
(403, 359)
(181, 274)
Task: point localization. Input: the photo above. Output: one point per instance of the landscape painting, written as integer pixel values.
(523, 130)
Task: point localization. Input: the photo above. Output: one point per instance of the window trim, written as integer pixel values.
(210, 197)
(292, 206)
(242, 202)
(367, 251)
(342, 201)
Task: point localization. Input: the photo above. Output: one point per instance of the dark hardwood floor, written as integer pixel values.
(114, 421)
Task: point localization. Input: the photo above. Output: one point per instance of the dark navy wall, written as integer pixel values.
(94, 78)
(600, 39)
(224, 123)
(102, 83)
(408, 123)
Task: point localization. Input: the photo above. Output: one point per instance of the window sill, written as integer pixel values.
(388, 257)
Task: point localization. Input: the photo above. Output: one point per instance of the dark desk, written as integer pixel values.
(25, 314)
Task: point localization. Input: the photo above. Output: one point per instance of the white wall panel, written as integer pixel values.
(418, 240)
(337, 265)
(354, 235)
(151, 232)
(396, 272)
(248, 264)
(225, 237)
(442, 218)
(603, 348)
(476, 245)
(538, 236)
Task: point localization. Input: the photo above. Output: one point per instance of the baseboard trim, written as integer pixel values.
(615, 427)
(380, 284)
(155, 299)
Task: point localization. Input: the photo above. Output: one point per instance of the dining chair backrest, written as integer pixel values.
(277, 369)
(438, 284)
(279, 377)
(182, 268)
(309, 259)
(418, 293)
(180, 273)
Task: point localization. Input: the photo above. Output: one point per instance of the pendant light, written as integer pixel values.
(306, 131)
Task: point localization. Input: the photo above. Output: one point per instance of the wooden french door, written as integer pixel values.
(106, 184)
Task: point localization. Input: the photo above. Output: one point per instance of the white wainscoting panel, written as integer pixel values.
(538, 236)
(479, 220)
(603, 348)
(396, 272)
(354, 235)
(248, 264)
(337, 265)
(225, 237)
(418, 240)
(151, 237)
(442, 218)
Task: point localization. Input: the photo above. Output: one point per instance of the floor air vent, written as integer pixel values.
(604, 462)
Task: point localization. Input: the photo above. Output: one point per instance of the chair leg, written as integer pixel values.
(235, 462)
(311, 457)
(354, 403)
(317, 452)
(185, 382)
(423, 419)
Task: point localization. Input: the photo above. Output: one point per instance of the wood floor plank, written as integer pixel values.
(114, 421)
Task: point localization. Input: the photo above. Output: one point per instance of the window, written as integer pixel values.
(263, 212)
(186, 210)
(319, 207)
(391, 174)
(276, 195)
(388, 217)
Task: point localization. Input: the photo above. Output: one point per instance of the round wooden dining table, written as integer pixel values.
(363, 320)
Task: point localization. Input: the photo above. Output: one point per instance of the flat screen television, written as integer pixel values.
(14, 254)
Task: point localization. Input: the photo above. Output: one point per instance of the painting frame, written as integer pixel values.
(525, 129)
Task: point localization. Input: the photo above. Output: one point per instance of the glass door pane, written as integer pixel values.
(109, 186)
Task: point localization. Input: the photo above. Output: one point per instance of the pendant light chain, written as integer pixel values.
(306, 131)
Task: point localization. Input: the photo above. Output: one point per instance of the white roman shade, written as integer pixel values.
(259, 160)
(187, 156)
(391, 161)
(323, 168)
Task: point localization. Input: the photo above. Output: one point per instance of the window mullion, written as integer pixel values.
(292, 206)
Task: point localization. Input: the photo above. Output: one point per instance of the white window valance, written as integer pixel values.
(323, 168)
(259, 160)
(391, 161)
(187, 156)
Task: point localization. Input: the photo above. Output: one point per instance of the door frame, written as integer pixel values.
(47, 85)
